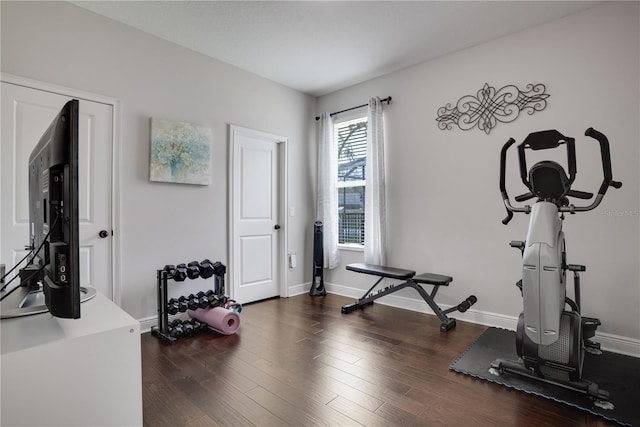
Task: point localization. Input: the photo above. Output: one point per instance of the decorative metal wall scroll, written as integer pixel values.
(491, 106)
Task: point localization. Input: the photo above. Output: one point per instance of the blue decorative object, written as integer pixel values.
(180, 152)
(491, 106)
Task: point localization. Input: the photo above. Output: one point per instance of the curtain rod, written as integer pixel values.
(387, 100)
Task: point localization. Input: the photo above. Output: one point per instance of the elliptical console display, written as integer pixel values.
(552, 335)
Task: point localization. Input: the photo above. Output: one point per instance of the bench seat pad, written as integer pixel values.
(433, 279)
(382, 271)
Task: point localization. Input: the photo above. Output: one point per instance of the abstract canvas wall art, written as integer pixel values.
(180, 152)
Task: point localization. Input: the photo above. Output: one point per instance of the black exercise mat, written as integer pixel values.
(616, 373)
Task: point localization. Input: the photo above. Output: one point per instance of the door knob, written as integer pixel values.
(277, 227)
(103, 234)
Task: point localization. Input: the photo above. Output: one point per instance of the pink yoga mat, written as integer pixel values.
(219, 319)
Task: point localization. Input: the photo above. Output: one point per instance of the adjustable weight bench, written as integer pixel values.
(412, 281)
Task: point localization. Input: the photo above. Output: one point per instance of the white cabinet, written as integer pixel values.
(65, 372)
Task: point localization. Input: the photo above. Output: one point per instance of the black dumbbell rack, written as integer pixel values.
(167, 330)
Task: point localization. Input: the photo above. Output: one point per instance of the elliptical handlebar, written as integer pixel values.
(607, 180)
(606, 161)
(503, 188)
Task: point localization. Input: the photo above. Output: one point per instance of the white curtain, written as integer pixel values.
(375, 206)
(327, 202)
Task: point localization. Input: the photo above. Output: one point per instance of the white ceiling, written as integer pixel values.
(318, 47)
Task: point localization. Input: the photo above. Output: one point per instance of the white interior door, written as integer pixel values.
(26, 114)
(257, 231)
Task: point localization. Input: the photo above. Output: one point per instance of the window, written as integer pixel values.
(351, 137)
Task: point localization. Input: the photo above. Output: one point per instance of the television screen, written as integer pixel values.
(53, 215)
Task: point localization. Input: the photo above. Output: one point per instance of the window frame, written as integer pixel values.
(345, 121)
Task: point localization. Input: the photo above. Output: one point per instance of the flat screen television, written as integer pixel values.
(53, 262)
(53, 213)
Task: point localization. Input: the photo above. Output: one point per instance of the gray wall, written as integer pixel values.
(63, 44)
(444, 206)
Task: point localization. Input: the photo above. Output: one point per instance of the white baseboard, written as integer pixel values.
(618, 344)
(299, 289)
(147, 322)
(609, 342)
(414, 304)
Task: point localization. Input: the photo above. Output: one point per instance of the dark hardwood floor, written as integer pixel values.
(300, 362)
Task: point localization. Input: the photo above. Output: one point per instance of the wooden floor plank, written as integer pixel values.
(357, 412)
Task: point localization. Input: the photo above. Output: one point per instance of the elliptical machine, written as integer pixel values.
(551, 340)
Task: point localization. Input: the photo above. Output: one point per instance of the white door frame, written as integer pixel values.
(116, 271)
(282, 208)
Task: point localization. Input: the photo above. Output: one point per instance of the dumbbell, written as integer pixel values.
(175, 328)
(211, 294)
(204, 300)
(219, 268)
(188, 329)
(169, 269)
(200, 326)
(182, 304)
(173, 306)
(199, 301)
(206, 268)
(211, 299)
(180, 273)
(197, 325)
(217, 301)
(192, 302)
(193, 270)
(214, 300)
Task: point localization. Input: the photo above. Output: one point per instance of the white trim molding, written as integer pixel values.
(609, 342)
